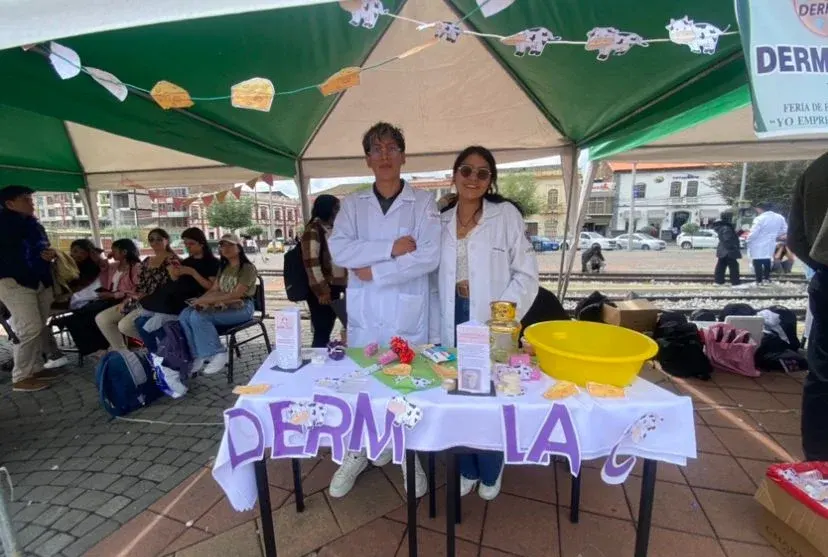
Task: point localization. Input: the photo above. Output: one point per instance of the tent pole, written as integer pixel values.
(90, 203)
(583, 203)
(631, 221)
(569, 162)
(304, 185)
(271, 210)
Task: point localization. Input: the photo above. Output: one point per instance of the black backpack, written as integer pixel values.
(787, 320)
(297, 286)
(738, 309)
(680, 349)
(704, 315)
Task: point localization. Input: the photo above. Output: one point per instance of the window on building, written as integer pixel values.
(675, 189)
(263, 213)
(52, 212)
(78, 211)
(599, 206)
(50, 199)
(278, 214)
(693, 188)
(550, 227)
(640, 190)
(552, 198)
(194, 212)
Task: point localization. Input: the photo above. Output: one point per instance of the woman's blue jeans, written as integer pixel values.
(200, 327)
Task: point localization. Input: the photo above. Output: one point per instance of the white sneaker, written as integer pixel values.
(489, 492)
(420, 480)
(216, 364)
(198, 365)
(384, 458)
(343, 479)
(56, 363)
(466, 485)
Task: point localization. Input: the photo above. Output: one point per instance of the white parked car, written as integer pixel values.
(640, 241)
(589, 239)
(698, 240)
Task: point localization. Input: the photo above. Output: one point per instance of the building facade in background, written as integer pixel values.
(666, 197)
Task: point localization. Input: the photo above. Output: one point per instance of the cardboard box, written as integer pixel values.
(638, 315)
(789, 525)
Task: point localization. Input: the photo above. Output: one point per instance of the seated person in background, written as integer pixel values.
(189, 279)
(119, 321)
(91, 262)
(229, 302)
(592, 260)
(783, 259)
(121, 279)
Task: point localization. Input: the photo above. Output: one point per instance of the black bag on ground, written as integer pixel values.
(297, 286)
(681, 351)
(704, 315)
(774, 354)
(787, 320)
(736, 309)
(589, 309)
(546, 307)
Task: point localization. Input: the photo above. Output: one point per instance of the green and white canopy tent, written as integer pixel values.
(628, 87)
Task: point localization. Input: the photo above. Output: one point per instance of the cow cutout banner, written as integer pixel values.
(300, 426)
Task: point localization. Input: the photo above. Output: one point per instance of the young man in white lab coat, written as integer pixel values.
(388, 237)
(767, 227)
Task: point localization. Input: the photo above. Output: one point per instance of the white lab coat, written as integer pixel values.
(761, 241)
(502, 265)
(397, 300)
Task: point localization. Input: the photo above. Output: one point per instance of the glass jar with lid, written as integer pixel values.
(504, 330)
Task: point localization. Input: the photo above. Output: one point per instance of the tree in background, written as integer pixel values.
(766, 181)
(231, 214)
(522, 189)
(690, 228)
(254, 231)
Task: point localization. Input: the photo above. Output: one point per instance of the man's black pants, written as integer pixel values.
(815, 391)
(729, 263)
(762, 268)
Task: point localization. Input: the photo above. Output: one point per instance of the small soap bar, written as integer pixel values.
(371, 350)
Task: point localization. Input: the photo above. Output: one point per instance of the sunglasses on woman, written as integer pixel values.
(482, 174)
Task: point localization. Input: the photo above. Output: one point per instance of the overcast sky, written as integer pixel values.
(288, 187)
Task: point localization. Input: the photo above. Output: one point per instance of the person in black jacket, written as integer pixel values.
(592, 260)
(26, 288)
(728, 251)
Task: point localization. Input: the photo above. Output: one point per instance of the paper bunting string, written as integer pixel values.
(66, 61)
(341, 80)
(207, 200)
(252, 183)
(702, 38)
(253, 94)
(222, 195)
(258, 93)
(109, 82)
(236, 192)
(169, 95)
(267, 179)
(609, 40)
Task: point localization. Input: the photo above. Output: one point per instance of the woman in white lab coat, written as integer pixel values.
(484, 257)
(767, 228)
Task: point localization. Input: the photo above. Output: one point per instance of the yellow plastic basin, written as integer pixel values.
(581, 351)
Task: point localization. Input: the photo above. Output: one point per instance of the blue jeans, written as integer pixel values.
(484, 466)
(200, 327)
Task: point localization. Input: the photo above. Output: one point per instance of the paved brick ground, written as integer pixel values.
(79, 476)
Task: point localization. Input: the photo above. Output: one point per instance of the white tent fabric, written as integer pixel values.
(728, 138)
(113, 162)
(460, 98)
(35, 21)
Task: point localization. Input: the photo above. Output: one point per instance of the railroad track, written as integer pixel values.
(621, 277)
(659, 298)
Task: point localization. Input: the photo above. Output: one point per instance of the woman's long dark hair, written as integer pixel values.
(197, 236)
(87, 246)
(491, 194)
(324, 207)
(243, 260)
(129, 248)
(163, 233)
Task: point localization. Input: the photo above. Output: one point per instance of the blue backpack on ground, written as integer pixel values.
(125, 382)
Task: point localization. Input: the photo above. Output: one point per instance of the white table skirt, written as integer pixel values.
(602, 426)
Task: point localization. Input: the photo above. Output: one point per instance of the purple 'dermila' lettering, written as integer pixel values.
(512, 452)
(366, 427)
(280, 428)
(252, 455)
(337, 433)
(543, 446)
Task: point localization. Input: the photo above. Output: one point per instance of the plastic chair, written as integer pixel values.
(256, 321)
